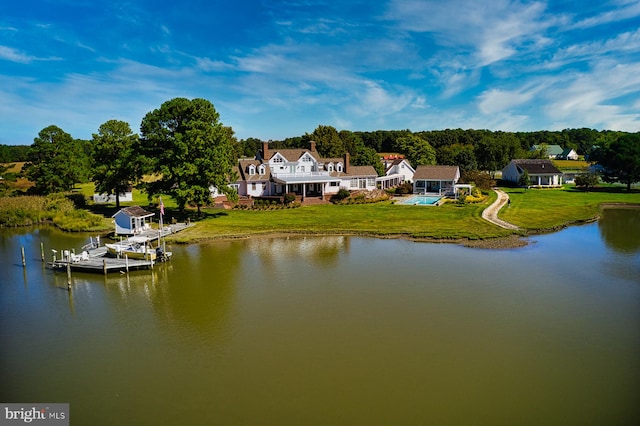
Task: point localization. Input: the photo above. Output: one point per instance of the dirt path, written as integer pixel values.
(491, 212)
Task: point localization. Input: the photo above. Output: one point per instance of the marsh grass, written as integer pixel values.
(29, 210)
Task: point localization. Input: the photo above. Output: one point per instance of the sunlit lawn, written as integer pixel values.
(532, 210)
(551, 208)
(449, 221)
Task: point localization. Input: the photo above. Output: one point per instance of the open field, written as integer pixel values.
(548, 209)
(571, 164)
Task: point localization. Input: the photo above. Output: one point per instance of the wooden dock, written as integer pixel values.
(98, 261)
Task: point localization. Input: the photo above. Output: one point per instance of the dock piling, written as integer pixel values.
(104, 266)
(24, 261)
(69, 274)
(42, 251)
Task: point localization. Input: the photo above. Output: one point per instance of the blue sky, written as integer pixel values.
(275, 69)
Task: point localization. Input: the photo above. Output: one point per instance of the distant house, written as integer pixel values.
(111, 198)
(435, 179)
(542, 173)
(553, 151)
(131, 220)
(568, 154)
(556, 152)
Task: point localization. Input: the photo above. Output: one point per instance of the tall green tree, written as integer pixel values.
(417, 150)
(459, 155)
(620, 159)
(56, 161)
(328, 142)
(189, 150)
(114, 156)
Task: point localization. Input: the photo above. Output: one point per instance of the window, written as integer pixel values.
(334, 183)
(261, 169)
(253, 186)
(277, 159)
(330, 167)
(339, 167)
(252, 170)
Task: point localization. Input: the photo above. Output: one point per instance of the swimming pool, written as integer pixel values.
(421, 200)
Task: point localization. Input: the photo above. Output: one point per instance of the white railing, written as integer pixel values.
(299, 174)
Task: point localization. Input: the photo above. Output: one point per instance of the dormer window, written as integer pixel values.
(252, 170)
(339, 167)
(261, 169)
(329, 167)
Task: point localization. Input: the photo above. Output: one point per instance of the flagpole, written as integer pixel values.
(161, 214)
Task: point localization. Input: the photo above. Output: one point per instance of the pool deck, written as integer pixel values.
(405, 200)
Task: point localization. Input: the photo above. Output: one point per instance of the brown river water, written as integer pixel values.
(333, 331)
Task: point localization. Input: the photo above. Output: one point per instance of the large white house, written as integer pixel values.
(300, 171)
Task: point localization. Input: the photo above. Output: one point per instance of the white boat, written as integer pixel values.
(134, 248)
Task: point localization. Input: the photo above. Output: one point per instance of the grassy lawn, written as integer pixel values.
(532, 210)
(542, 209)
(449, 221)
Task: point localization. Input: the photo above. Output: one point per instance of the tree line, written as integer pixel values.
(183, 149)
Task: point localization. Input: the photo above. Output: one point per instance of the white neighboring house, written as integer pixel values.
(299, 171)
(436, 179)
(397, 171)
(111, 198)
(542, 173)
(568, 154)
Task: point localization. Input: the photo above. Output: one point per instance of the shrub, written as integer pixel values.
(404, 188)
(289, 198)
(480, 179)
(587, 181)
(342, 194)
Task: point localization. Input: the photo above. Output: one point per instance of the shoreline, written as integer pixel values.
(515, 240)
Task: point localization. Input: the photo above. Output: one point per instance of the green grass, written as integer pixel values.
(544, 209)
(449, 221)
(534, 210)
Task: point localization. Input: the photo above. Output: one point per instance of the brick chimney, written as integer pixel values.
(265, 151)
(347, 157)
(312, 146)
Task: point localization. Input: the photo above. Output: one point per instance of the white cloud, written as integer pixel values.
(496, 101)
(618, 11)
(15, 55)
(494, 30)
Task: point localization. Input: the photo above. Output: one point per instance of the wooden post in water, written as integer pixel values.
(42, 251)
(69, 273)
(104, 266)
(126, 262)
(24, 261)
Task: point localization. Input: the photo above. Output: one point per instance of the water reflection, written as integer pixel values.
(620, 229)
(335, 330)
(320, 251)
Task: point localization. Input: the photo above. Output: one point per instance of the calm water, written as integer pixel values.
(333, 330)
